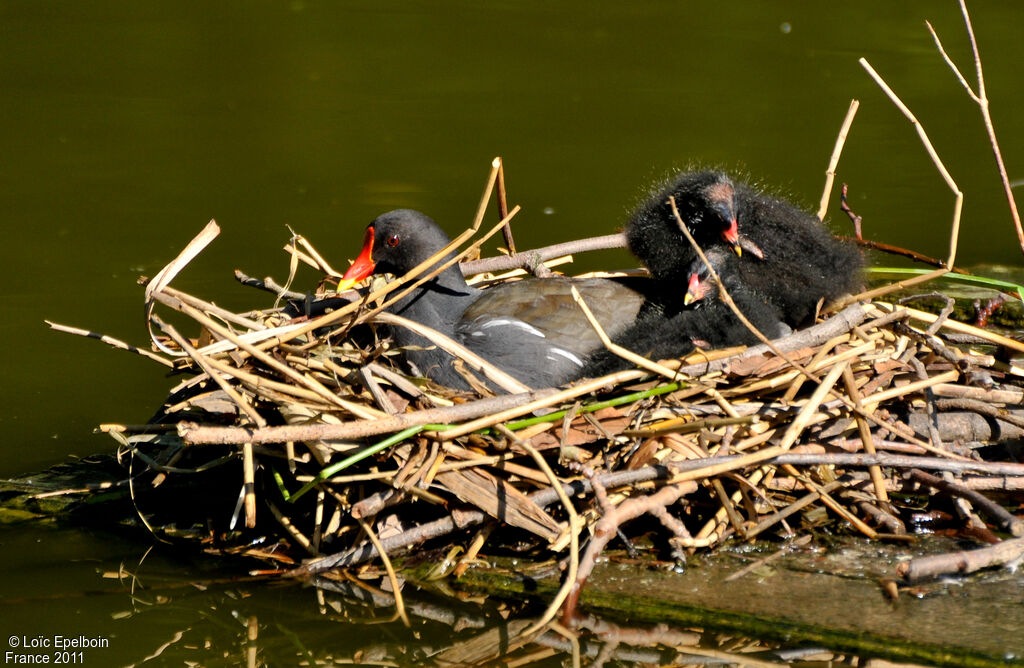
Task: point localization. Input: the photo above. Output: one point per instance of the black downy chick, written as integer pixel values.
(787, 255)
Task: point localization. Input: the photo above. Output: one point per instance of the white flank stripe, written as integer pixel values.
(566, 354)
(529, 329)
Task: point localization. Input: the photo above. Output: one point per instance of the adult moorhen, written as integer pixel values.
(531, 329)
(792, 259)
(708, 323)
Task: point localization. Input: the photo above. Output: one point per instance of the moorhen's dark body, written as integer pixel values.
(788, 256)
(531, 329)
(709, 323)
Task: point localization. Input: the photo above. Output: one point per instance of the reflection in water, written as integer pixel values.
(351, 622)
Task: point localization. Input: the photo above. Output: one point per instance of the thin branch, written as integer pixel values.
(830, 172)
(981, 99)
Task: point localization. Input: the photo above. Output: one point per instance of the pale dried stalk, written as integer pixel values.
(396, 588)
(110, 341)
(574, 541)
(477, 363)
(506, 231)
(981, 99)
(628, 355)
(830, 172)
(957, 193)
(864, 430)
(167, 274)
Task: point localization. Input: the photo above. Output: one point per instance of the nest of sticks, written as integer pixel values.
(301, 440)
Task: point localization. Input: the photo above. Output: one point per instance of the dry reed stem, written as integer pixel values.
(452, 347)
(837, 150)
(574, 541)
(865, 435)
(167, 274)
(506, 231)
(876, 398)
(628, 355)
(957, 193)
(396, 588)
(290, 528)
(110, 341)
(981, 99)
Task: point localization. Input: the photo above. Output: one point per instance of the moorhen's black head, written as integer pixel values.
(707, 205)
(395, 242)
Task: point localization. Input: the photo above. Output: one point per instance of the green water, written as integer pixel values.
(126, 126)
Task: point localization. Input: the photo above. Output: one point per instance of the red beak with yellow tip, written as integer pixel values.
(362, 266)
(695, 290)
(732, 236)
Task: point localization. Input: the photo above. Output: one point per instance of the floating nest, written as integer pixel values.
(299, 439)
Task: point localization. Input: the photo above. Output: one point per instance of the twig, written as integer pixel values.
(837, 150)
(526, 259)
(452, 347)
(981, 99)
(194, 434)
(923, 568)
(606, 529)
(864, 430)
(110, 341)
(396, 588)
(503, 206)
(884, 247)
(624, 353)
(958, 195)
(574, 544)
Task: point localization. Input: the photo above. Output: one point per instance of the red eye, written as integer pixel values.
(393, 240)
